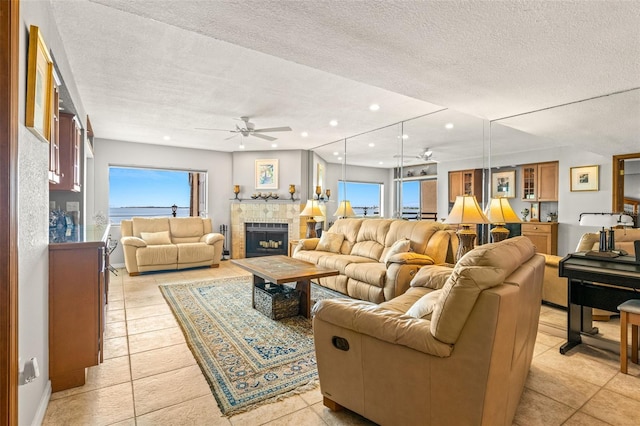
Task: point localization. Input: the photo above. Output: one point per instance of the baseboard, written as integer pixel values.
(38, 418)
(118, 265)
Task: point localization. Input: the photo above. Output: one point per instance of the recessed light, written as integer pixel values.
(448, 126)
(335, 152)
(374, 107)
(339, 158)
(274, 145)
(371, 144)
(166, 138)
(333, 123)
(304, 134)
(405, 136)
(380, 162)
(241, 146)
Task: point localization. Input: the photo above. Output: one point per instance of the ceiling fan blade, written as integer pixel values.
(232, 136)
(218, 130)
(274, 129)
(265, 137)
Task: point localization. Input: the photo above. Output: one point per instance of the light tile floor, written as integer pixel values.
(149, 376)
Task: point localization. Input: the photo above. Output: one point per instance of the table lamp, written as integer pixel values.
(466, 212)
(310, 210)
(499, 213)
(344, 209)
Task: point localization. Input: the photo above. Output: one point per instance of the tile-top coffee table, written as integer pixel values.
(284, 269)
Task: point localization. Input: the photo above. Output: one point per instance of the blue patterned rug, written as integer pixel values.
(247, 358)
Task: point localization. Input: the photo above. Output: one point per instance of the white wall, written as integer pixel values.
(33, 220)
(291, 165)
(218, 166)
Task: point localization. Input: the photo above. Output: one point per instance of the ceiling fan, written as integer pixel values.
(248, 129)
(426, 156)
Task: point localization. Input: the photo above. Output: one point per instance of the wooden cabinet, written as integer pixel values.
(70, 142)
(77, 301)
(465, 182)
(540, 182)
(543, 235)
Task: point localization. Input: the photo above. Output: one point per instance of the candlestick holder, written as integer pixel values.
(236, 190)
(292, 190)
(328, 194)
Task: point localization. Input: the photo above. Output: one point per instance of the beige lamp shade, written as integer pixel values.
(312, 209)
(344, 209)
(499, 211)
(466, 211)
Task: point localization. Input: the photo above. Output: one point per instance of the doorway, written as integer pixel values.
(624, 200)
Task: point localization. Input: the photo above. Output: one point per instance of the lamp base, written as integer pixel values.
(466, 239)
(311, 228)
(499, 233)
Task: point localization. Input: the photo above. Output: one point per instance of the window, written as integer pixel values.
(366, 198)
(410, 199)
(143, 192)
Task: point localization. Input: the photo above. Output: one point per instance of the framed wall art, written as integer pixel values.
(39, 86)
(267, 174)
(584, 178)
(503, 184)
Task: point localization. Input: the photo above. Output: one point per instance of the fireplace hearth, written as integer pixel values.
(266, 239)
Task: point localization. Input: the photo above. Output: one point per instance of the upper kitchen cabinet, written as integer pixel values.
(465, 182)
(540, 181)
(70, 146)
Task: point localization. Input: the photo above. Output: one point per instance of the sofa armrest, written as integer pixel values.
(383, 324)
(133, 241)
(212, 238)
(411, 259)
(552, 260)
(308, 244)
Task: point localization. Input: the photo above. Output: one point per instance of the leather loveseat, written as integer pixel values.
(377, 258)
(460, 358)
(156, 244)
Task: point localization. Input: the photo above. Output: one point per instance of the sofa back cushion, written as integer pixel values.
(482, 268)
(149, 224)
(371, 238)
(349, 228)
(186, 229)
(427, 237)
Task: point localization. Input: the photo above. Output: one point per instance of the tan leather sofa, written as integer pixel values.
(465, 364)
(157, 244)
(364, 256)
(554, 289)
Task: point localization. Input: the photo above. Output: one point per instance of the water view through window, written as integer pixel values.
(365, 197)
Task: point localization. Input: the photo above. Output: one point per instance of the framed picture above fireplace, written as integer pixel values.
(267, 174)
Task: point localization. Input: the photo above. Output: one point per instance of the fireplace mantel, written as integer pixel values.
(262, 212)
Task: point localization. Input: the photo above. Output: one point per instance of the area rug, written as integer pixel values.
(247, 358)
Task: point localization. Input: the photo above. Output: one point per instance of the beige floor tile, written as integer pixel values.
(312, 397)
(581, 419)
(148, 311)
(139, 293)
(116, 305)
(128, 422)
(155, 339)
(342, 417)
(613, 408)
(115, 293)
(111, 372)
(144, 325)
(136, 302)
(115, 316)
(116, 347)
(161, 360)
(306, 417)
(99, 407)
(549, 340)
(167, 389)
(268, 412)
(540, 348)
(538, 410)
(199, 411)
(561, 387)
(115, 329)
(578, 364)
(626, 384)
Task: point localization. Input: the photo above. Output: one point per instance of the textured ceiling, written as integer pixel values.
(146, 69)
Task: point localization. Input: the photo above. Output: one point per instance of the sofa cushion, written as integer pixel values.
(349, 228)
(340, 261)
(157, 255)
(482, 268)
(433, 277)
(156, 238)
(372, 273)
(330, 241)
(371, 237)
(312, 256)
(194, 253)
(423, 308)
(400, 246)
(186, 229)
(149, 224)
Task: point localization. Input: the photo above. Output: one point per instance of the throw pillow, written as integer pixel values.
(400, 246)
(423, 308)
(431, 277)
(330, 241)
(156, 238)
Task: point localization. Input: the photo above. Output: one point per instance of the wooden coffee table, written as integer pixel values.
(284, 269)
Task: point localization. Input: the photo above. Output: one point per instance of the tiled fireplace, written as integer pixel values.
(256, 213)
